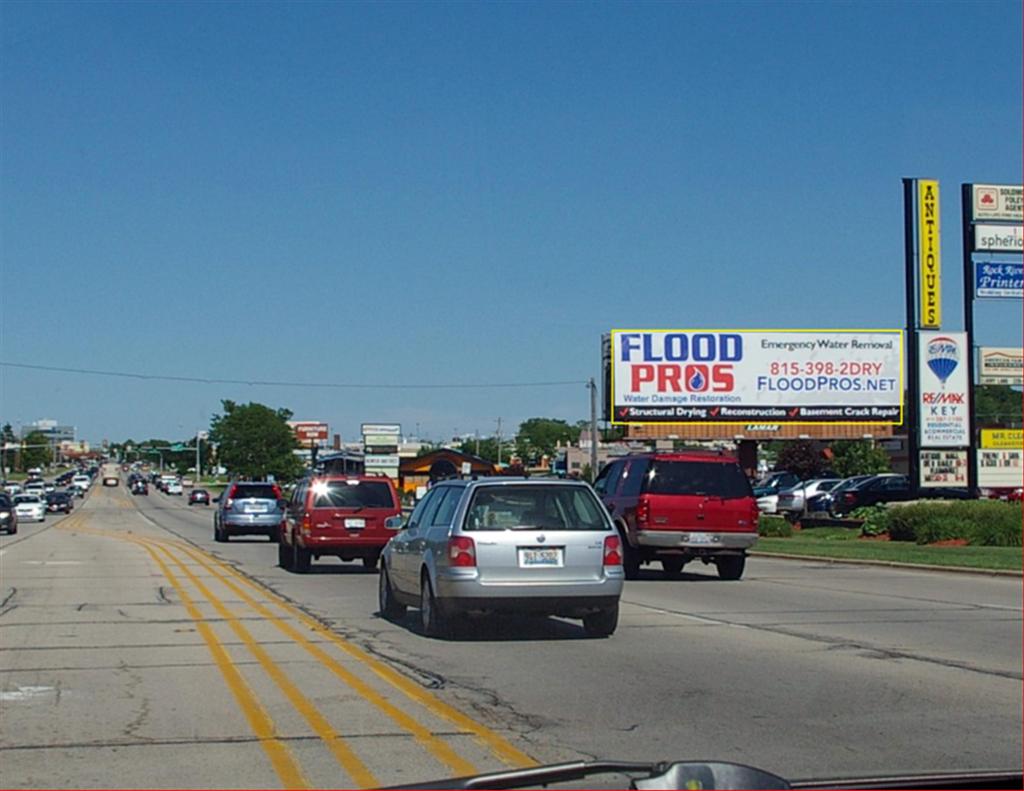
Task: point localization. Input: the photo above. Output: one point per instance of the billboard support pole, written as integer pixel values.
(593, 430)
(966, 220)
(911, 417)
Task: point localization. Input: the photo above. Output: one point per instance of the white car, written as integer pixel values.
(769, 504)
(38, 488)
(793, 500)
(174, 487)
(12, 488)
(29, 508)
(83, 482)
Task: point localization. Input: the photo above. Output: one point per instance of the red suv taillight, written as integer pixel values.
(613, 551)
(462, 551)
(277, 492)
(643, 511)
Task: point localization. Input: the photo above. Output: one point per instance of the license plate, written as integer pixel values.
(703, 538)
(548, 556)
(255, 508)
(355, 524)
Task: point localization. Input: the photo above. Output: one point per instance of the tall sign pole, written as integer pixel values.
(911, 416)
(966, 223)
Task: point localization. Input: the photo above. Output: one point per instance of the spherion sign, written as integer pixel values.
(741, 376)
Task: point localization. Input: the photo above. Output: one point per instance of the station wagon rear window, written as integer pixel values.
(253, 491)
(710, 479)
(534, 508)
(354, 494)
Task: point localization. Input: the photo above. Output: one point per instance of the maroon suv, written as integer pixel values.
(347, 516)
(675, 507)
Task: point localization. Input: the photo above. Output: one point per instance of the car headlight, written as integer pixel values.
(5, 514)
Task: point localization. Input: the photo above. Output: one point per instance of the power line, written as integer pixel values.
(263, 383)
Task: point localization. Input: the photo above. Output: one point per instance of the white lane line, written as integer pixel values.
(688, 617)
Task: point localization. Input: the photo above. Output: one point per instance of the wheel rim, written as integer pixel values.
(426, 606)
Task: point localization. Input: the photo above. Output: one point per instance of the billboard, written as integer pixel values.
(745, 376)
(307, 431)
(380, 447)
(928, 253)
(998, 238)
(997, 202)
(943, 468)
(1002, 438)
(943, 403)
(1000, 468)
(1001, 365)
(999, 280)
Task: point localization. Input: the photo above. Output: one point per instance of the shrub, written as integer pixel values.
(774, 527)
(981, 522)
(876, 519)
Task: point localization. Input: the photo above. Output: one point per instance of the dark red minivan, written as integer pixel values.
(677, 507)
(347, 516)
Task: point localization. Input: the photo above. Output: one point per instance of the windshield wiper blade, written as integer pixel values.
(519, 778)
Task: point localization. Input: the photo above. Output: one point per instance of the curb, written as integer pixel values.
(890, 564)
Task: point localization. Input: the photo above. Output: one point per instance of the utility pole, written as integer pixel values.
(198, 471)
(593, 429)
(499, 441)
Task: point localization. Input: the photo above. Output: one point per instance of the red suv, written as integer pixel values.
(348, 516)
(675, 507)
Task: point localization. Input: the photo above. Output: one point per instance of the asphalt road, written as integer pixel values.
(136, 652)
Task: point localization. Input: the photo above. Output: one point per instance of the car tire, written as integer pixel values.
(432, 620)
(284, 555)
(219, 534)
(730, 567)
(630, 561)
(602, 623)
(389, 608)
(370, 563)
(672, 566)
(301, 559)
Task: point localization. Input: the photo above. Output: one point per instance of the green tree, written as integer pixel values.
(38, 452)
(488, 448)
(801, 457)
(539, 436)
(998, 406)
(255, 441)
(858, 457)
(7, 437)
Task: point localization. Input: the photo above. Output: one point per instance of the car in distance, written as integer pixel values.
(83, 482)
(140, 487)
(199, 497)
(38, 488)
(678, 507)
(110, 480)
(59, 502)
(248, 508)
(345, 516)
(792, 502)
(505, 545)
(29, 508)
(174, 488)
(823, 501)
(8, 517)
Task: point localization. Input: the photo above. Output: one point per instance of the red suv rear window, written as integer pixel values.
(710, 479)
(352, 494)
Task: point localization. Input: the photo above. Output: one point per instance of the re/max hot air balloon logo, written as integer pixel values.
(942, 356)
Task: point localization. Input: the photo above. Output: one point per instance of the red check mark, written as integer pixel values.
(714, 412)
(794, 411)
(624, 411)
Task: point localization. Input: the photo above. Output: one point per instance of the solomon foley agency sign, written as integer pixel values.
(944, 393)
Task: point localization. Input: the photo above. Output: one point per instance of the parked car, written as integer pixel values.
(8, 516)
(791, 502)
(249, 508)
(677, 507)
(775, 482)
(543, 547)
(59, 502)
(822, 503)
(29, 508)
(346, 516)
(199, 497)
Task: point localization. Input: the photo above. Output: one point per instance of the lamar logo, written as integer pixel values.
(944, 398)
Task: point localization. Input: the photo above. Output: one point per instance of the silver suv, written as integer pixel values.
(511, 545)
(249, 508)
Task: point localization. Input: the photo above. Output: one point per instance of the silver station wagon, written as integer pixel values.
(505, 545)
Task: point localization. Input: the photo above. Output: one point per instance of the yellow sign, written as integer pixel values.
(1002, 438)
(928, 252)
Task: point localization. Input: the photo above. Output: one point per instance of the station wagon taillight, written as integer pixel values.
(461, 551)
(613, 551)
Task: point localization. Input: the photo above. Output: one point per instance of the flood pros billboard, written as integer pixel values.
(740, 376)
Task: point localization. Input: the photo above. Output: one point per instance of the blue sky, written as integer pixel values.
(430, 193)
